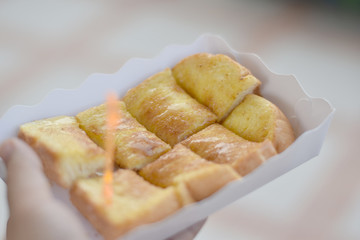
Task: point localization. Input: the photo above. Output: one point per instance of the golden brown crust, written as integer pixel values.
(183, 194)
(182, 166)
(48, 158)
(166, 110)
(257, 119)
(135, 145)
(65, 150)
(218, 144)
(206, 182)
(85, 206)
(284, 135)
(254, 158)
(135, 202)
(217, 81)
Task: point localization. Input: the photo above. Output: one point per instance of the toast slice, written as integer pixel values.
(218, 144)
(257, 119)
(217, 81)
(165, 109)
(65, 150)
(135, 202)
(135, 145)
(181, 166)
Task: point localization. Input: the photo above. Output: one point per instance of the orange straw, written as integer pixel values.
(112, 119)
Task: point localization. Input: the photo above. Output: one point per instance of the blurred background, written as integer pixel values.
(57, 44)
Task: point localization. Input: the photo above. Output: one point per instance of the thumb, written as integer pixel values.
(25, 178)
(34, 212)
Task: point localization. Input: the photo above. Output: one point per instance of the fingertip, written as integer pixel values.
(7, 149)
(15, 149)
(24, 173)
(19, 157)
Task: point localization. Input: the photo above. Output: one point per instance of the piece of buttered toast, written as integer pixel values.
(218, 144)
(217, 81)
(165, 109)
(134, 202)
(182, 166)
(135, 146)
(65, 150)
(257, 119)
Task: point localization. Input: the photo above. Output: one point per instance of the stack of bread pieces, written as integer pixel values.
(183, 134)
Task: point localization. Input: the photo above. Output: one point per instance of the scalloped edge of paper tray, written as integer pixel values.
(310, 118)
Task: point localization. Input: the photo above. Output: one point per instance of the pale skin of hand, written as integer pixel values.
(35, 214)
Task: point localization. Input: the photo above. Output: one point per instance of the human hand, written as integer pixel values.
(34, 212)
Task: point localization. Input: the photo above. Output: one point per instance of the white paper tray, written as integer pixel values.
(310, 118)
